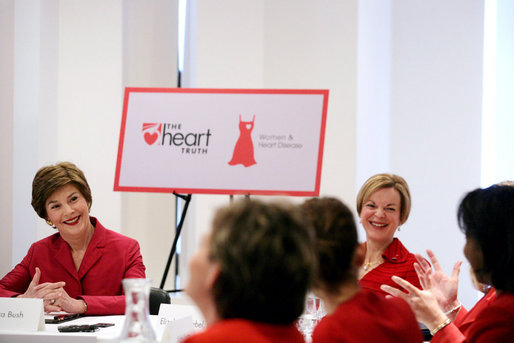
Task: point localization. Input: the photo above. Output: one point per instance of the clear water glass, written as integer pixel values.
(137, 327)
(312, 314)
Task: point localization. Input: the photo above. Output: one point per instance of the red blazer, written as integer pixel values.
(491, 320)
(397, 261)
(495, 323)
(369, 317)
(242, 330)
(457, 331)
(109, 258)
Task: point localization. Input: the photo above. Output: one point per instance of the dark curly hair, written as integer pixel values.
(487, 216)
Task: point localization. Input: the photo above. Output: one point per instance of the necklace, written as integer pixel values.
(368, 265)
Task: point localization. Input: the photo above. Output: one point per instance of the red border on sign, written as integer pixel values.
(130, 90)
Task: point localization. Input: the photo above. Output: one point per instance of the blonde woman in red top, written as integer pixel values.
(383, 204)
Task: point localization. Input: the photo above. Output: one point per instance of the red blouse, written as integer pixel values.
(397, 261)
(369, 317)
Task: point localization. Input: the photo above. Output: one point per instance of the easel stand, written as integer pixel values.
(187, 199)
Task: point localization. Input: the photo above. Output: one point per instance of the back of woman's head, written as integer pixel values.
(487, 216)
(266, 261)
(336, 240)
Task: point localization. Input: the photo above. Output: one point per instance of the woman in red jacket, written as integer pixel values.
(486, 216)
(78, 269)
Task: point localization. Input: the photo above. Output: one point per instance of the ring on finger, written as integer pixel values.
(52, 301)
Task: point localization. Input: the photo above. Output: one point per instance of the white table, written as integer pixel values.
(52, 335)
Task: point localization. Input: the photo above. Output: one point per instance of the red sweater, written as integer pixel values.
(369, 317)
(397, 261)
(241, 330)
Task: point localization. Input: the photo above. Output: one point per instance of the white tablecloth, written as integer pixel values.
(51, 334)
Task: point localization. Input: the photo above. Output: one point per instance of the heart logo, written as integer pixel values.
(150, 138)
(151, 131)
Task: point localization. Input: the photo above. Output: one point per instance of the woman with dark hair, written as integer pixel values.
(486, 217)
(79, 268)
(251, 273)
(353, 314)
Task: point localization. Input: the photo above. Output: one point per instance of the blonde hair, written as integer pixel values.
(380, 181)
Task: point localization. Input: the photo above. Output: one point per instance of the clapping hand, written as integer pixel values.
(438, 299)
(443, 287)
(422, 302)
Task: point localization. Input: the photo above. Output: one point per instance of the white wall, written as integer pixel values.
(66, 96)
(27, 94)
(6, 130)
(405, 96)
(504, 116)
(150, 60)
(373, 89)
(436, 104)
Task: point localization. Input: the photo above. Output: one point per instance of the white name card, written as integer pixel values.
(178, 321)
(177, 330)
(20, 314)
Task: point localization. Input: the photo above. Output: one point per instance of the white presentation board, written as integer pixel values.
(222, 141)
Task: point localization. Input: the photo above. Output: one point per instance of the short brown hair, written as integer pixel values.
(266, 261)
(50, 178)
(336, 240)
(380, 181)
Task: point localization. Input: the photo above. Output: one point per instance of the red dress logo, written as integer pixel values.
(151, 131)
(243, 151)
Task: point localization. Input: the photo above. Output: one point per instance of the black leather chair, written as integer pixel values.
(157, 297)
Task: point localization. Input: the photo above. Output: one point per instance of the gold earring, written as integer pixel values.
(49, 222)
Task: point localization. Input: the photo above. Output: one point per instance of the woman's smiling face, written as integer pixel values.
(380, 215)
(68, 210)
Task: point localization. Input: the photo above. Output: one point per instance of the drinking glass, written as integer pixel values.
(137, 327)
